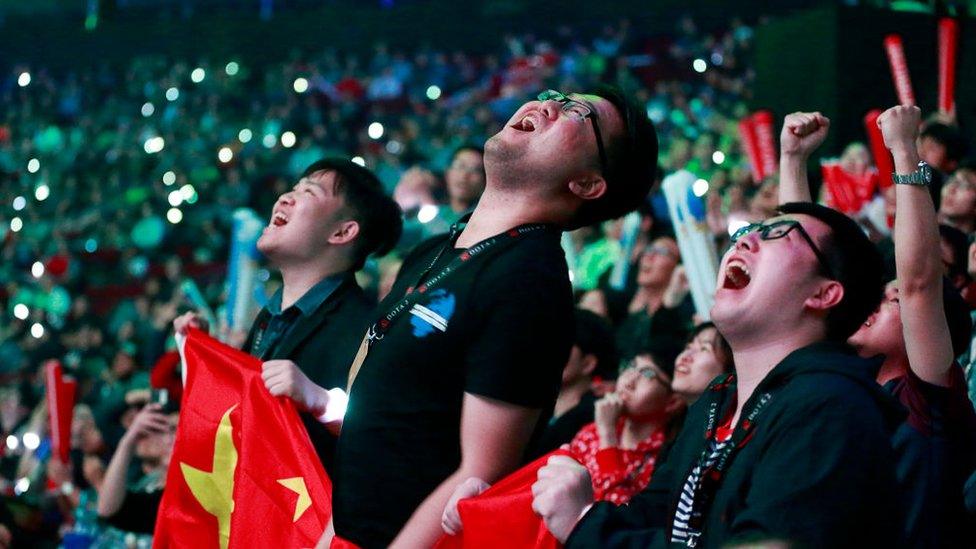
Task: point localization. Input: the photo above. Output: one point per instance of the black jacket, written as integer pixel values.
(324, 346)
(818, 470)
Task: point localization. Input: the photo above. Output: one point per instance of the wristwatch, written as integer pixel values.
(920, 177)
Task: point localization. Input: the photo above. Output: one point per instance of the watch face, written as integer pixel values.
(926, 171)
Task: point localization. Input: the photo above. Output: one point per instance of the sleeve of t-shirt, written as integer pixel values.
(520, 348)
(137, 512)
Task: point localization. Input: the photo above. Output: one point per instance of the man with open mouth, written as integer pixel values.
(794, 446)
(468, 348)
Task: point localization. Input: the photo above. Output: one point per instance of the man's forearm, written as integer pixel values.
(424, 527)
(794, 185)
(112, 491)
(917, 258)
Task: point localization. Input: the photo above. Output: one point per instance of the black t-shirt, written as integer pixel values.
(500, 327)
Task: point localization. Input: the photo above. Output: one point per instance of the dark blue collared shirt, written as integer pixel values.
(274, 330)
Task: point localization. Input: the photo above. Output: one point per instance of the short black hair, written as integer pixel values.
(959, 243)
(855, 263)
(958, 318)
(379, 217)
(949, 137)
(631, 159)
(594, 336)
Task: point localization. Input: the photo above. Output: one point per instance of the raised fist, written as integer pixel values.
(802, 133)
(899, 126)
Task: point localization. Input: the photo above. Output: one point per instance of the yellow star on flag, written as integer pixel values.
(215, 490)
(297, 485)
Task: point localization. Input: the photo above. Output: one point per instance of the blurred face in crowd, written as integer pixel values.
(959, 195)
(551, 143)
(856, 159)
(764, 285)
(657, 263)
(881, 333)
(698, 364)
(578, 366)
(644, 389)
(155, 449)
(303, 219)
(934, 154)
(123, 365)
(466, 176)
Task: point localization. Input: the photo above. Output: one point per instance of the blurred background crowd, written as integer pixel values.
(118, 184)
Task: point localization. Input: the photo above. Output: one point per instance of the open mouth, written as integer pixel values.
(737, 275)
(526, 124)
(279, 219)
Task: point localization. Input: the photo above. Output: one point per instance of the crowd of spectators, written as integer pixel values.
(118, 186)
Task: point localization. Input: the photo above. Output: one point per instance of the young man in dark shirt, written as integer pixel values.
(468, 350)
(320, 233)
(593, 354)
(795, 445)
(918, 327)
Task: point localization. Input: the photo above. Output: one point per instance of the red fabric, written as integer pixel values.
(747, 134)
(848, 192)
(60, 407)
(339, 543)
(165, 374)
(882, 158)
(948, 40)
(270, 443)
(502, 516)
(899, 69)
(762, 123)
(617, 474)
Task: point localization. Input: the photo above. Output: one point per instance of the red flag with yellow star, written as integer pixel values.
(243, 472)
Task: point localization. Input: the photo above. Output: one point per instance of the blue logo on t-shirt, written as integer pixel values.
(434, 315)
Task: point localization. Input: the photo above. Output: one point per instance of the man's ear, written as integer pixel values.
(590, 187)
(829, 294)
(345, 233)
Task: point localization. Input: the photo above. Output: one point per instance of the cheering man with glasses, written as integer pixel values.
(792, 447)
(466, 353)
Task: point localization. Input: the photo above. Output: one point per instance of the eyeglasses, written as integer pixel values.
(645, 371)
(779, 229)
(661, 250)
(580, 111)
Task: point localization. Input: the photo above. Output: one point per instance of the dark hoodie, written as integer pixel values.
(817, 470)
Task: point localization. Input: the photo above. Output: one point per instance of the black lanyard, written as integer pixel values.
(710, 477)
(417, 290)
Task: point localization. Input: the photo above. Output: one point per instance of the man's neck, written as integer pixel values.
(637, 430)
(498, 211)
(570, 396)
(647, 298)
(297, 281)
(754, 361)
(891, 368)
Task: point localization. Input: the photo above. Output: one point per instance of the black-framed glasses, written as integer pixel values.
(647, 372)
(581, 111)
(779, 229)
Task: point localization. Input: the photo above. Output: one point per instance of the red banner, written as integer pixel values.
(747, 134)
(848, 192)
(899, 69)
(60, 408)
(948, 41)
(243, 472)
(882, 158)
(762, 121)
